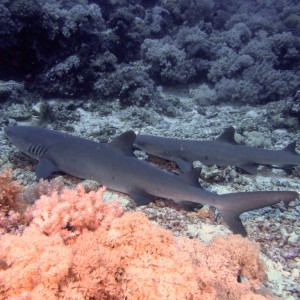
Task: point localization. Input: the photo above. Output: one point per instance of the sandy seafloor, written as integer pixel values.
(277, 229)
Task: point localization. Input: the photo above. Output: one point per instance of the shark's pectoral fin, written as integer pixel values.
(141, 198)
(234, 222)
(297, 171)
(183, 164)
(189, 206)
(288, 169)
(250, 168)
(192, 177)
(45, 168)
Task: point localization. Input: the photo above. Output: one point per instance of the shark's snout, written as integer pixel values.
(5, 130)
(8, 131)
(12, 133)
(15, 135)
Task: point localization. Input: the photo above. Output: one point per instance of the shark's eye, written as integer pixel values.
(36, 150)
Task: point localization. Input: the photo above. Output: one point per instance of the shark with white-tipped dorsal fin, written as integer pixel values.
(114, 166)
(224, 151)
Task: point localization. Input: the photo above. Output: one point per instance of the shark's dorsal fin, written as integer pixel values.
(227, 136)
(192, 177)
(124, 142)
(291, 148)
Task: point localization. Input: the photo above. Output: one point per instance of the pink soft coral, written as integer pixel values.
(9, 192)
(71, 212)
(36, 264)
(12, 207)
(145, 261)
(79, 247)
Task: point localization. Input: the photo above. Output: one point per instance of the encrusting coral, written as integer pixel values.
(79, 247)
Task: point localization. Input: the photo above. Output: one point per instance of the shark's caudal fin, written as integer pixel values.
(233, 204)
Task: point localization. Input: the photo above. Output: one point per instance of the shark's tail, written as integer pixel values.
(232, 205)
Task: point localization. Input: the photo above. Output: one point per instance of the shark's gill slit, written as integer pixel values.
(36, 150)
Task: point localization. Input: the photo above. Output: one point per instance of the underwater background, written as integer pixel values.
(173, 68)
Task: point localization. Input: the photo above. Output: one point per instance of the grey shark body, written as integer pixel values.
(224, 151)
(114, 166)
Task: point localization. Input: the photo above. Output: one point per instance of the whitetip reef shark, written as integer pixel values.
(224, 151)
(114, 166)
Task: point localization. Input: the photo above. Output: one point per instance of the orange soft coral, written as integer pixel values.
(37, 264)
(12, 217)
(130, 259)
(9, 192)
(144, 261)
(71, 212)
(79, 247)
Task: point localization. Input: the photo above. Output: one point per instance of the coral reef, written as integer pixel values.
(168, 63)
(232, 43)
(129, 85)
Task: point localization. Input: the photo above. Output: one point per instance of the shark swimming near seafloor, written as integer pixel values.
(114, 166)
(224, 151)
